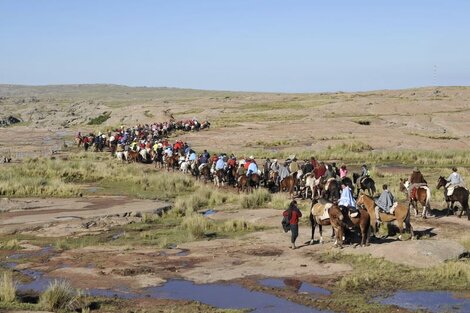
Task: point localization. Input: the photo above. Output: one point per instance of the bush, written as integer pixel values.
(60, 295)
(256, 199)
(7, 287)
(12, 244)
(197, 225)
(100, 119)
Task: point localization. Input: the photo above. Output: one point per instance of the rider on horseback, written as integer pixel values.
(364, 173)
(385, 202)
(454, 180)
(416, 180)
(347, 202)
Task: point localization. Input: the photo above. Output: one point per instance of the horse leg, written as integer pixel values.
(320, 228)
(312, 224)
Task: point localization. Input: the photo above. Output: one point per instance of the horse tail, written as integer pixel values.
(428, 198)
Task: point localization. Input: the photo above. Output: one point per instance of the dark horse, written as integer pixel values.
(460, 195)
(366, 183)
(248, 183)
(330, 190)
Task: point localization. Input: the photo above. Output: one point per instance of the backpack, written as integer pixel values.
(286, 221)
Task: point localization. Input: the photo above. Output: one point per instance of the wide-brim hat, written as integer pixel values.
(415, 169)
(251, 157)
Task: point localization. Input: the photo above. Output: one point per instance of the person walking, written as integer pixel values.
(293, 214)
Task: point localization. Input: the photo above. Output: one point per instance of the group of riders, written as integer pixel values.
(143, 136)
(149, 143)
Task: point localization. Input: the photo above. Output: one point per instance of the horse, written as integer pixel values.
(219, 177)
(362, 221)
(423, 196)
(309, 185)
(337, 223)
(132, 156)
(122, 155)
(205, 172)
(366, 183)
(288, 183)
(460, 195)
(330, 190)
(242, 183)
(171, 162)
(318, 217)
(400, 215)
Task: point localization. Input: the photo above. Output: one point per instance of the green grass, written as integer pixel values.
(371, 274)
(100, 119)
(12, 244)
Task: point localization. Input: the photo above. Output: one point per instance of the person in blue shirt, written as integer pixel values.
(220, 164)
(346, 201)
(252, 168)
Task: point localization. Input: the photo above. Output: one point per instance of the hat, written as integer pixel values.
(415, 169)
(274, 160)
(251, 157)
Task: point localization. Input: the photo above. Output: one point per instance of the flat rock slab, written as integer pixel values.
(36, 212)
(417, 253)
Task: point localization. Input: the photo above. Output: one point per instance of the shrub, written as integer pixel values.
(7, 287)
(12, 244)
(196, 224)
(100, 119)
(256, 199)
(60, 295)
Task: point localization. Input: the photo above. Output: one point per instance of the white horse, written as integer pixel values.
(122, 155)
(184, 167)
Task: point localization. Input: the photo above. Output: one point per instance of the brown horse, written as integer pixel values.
(422, 196)
(171, 162)
(337, 223)
(362, 221)
(288, 184)
(316, 213)
(242, 183)
(460, 195)
(400, 215)
(132, 156)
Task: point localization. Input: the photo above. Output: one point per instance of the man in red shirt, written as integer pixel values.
(293, 214)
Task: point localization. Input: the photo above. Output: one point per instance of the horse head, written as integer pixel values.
(441, 182)
(404, 185)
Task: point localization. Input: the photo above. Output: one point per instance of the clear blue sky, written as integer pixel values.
(275, 45)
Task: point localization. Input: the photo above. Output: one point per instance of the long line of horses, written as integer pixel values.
(323, 192)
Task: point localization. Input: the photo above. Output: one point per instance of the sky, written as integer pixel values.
(240, 45)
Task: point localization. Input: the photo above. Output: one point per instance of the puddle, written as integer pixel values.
(297, 285)
(219, 295)
(433, 301)
(183, 252)
(32, 253)
(226, 296)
